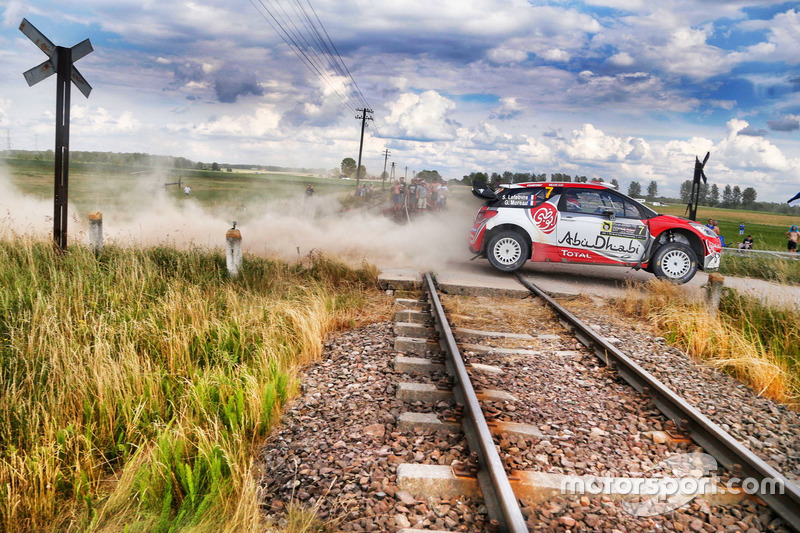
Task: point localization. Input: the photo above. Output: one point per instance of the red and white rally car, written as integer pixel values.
(587, 223)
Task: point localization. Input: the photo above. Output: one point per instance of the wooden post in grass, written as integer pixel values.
(96, 231)
(714, 287)
(233, 250)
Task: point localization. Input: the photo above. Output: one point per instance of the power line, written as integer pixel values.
(311, 43)
(291, 42)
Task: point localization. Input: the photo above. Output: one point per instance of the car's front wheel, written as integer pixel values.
(675, 261)
(507, 251)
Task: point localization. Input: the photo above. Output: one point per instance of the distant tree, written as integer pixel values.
(429, 175)
(727, 197)
(475, 176)
(348, 167)
(634, 189)
(748, 197)
(229, 169)
(496, 178)
(615, 183)
(652, 190)
(686, 191)
(595, 180)
(736, 196)
(215, 166)
(713, 196)
(702, 196)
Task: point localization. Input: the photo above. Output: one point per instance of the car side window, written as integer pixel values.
(598, 202)
(578, 201)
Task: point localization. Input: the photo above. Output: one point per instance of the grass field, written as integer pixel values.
(768, 229)
(113, 189)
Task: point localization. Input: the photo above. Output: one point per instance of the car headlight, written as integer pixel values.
(705, 230)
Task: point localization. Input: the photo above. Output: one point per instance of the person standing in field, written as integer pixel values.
(793, 236)
(741, 229)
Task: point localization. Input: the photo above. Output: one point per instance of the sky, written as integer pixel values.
(625, 89)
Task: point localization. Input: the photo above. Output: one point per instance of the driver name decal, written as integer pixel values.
(625, 231)
(544, 217)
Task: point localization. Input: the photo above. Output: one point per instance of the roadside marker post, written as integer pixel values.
(60, 62)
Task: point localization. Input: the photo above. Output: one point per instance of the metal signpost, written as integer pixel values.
(60, 62)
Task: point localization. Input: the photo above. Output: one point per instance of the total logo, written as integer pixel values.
(575, 255)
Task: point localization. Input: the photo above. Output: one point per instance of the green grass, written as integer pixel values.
(777, 269)
(768, 229)
(136, 384)
(116, 189)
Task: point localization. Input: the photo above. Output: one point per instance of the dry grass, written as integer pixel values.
(136, 384)
(724, 341)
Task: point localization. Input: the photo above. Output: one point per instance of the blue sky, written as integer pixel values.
(626, 89)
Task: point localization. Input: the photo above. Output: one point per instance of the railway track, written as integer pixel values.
(537, 411)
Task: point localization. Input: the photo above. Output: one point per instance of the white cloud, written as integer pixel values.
(421, 116)
(591, 144)
(506, 55)
(261, 122)
(87, 120)
(783, 39)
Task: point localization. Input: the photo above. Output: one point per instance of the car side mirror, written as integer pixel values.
(609, 213)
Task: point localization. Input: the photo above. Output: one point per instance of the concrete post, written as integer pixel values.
(96, 231)
(714, 292)
(233, 251)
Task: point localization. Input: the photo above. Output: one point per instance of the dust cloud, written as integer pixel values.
(289, 228)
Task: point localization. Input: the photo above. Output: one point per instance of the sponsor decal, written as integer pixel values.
(544, 217)
(600, 242)
(572, 254)
(626, 231)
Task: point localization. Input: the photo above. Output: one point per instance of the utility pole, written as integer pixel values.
(405, 176)
(383, 176)
(363, 118)
(391, 176)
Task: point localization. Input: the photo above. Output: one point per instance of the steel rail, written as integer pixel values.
(500, 500)
(712, 438)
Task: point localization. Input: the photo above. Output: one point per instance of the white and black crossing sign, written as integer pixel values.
(60, 62)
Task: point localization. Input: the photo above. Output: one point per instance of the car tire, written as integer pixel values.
(675, 262)
(508, 250)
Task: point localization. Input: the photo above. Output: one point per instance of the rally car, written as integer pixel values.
(587, 223)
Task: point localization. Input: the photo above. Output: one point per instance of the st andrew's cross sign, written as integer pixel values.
(60, 62)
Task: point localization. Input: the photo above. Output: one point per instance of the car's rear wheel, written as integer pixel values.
(508, 250)
(675, 261)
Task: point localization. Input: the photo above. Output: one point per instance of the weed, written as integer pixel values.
(137, 382)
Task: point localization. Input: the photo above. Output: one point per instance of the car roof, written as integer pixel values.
(568, 184)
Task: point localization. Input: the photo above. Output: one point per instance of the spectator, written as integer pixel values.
(741, 229)
(747, 243)
(397, 196)
(422, 192)
(310, 190)
(442, 195)
(187, 190)
(793, 236)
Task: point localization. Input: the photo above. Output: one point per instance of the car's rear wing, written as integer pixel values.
(481, 190)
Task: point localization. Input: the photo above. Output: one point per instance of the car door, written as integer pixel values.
(599, 226)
